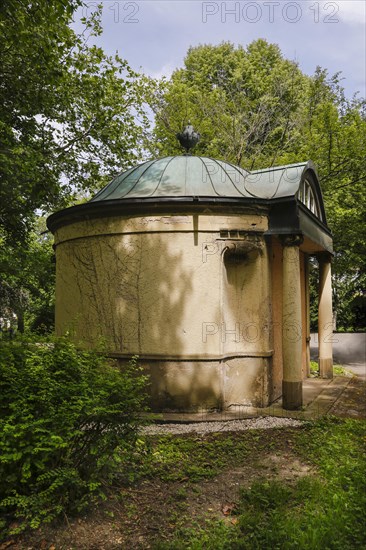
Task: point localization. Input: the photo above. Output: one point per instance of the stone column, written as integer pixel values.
(307, 313)
(325, 317)
(291, 324)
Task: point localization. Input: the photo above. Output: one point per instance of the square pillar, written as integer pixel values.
(325, 317)
(291, 324)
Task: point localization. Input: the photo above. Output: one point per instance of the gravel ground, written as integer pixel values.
(262, 423)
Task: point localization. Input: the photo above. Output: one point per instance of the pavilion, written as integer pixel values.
(200, 268)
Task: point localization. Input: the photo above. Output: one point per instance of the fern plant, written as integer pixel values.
(66, 417)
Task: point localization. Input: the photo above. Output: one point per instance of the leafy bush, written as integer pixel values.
(67, 420)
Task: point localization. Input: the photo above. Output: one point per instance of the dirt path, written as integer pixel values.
(137, 517)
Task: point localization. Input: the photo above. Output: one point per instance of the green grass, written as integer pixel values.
(325, 510)
(338, 370)
(193, 458)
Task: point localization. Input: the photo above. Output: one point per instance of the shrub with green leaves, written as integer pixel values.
(68, 418)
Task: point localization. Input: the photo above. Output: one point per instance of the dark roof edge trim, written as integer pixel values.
(150, 206)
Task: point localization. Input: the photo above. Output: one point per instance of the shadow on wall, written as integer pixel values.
(150, 293)
(125, 289)
(132, 291)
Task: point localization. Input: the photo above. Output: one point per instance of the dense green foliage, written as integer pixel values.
(69, 114)
(28, 282)
(68, 420)
(324, 509)
(70, 118)
(257, 109)
(245, 104)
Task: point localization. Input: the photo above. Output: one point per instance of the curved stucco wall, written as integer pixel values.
(162, 288)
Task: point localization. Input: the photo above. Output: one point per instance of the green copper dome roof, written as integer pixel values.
(194, 176)
(290, 194)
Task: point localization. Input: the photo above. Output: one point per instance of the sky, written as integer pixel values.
(154, 35)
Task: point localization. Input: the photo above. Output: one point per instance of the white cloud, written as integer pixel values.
(165, 70)
(349, 11)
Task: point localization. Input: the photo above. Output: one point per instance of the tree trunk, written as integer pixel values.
(20, 317)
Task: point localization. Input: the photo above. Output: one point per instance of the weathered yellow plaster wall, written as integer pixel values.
(161, 287)
(276, 303)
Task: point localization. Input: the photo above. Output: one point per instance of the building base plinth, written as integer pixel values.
(326, 367)
(291, 395)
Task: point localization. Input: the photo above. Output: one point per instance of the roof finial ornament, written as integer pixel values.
(188, 138)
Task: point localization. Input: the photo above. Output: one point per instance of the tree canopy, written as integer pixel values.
(244, 102)
(69, 114)
(257, 109)
(70, 117)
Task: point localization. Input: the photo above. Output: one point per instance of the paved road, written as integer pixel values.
(352, 402)
(359, 369)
